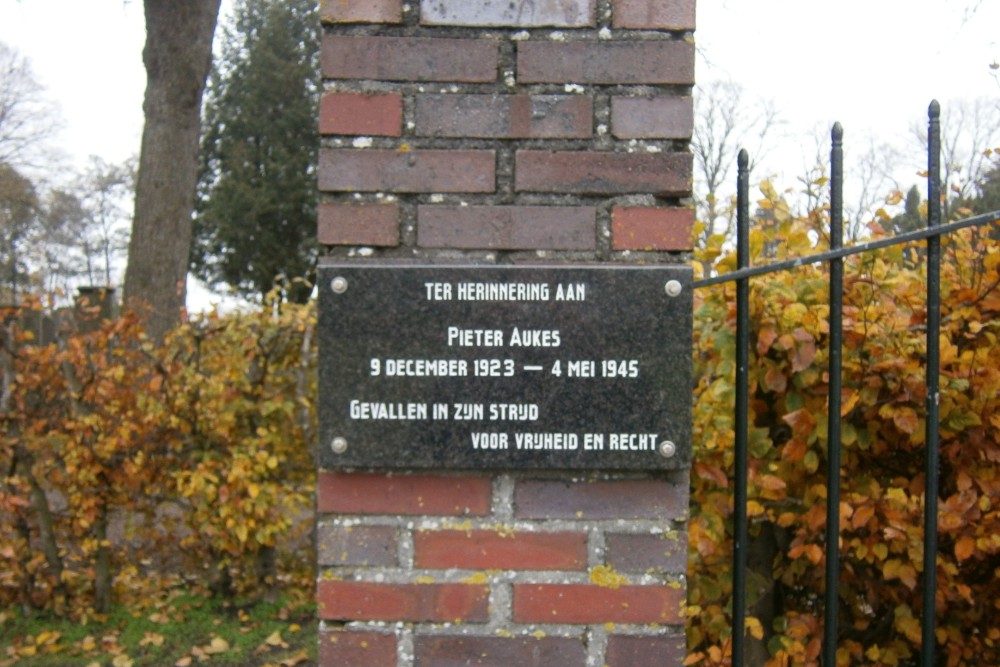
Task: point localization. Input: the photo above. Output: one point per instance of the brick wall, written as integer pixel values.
(514, 131)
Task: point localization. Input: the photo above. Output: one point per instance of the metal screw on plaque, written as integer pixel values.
(667, 449)
(339, 285)
(673, 288)
(339, 445)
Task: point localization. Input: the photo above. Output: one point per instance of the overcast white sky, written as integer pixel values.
(871, 64)
(874, 65)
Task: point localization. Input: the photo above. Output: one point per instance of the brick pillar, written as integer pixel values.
(492, 132)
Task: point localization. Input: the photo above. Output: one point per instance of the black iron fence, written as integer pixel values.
(834, 258)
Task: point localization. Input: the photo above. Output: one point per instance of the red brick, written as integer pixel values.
(493, 550)
(505, 116)
(606, 62)
(417, 603)
(338, 648)
(654, 14)
(361, 11)
(409, 58)
(562, 14)
(587, 603)
(349, 170)
(663, 117)
(507, 227)
(603, 173)
(377, 114)
(639, 228)
(373, 493)
(356, 545)
(499, 651)
(631, 651)
(613, 499)
(644, 553)
(358, 224)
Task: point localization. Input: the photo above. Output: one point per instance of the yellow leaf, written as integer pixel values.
(47, 637)
(216, 646)
(910, 627)
(183, 662)
(296, 659)
(274, 639)
(897, 494)
(122, 661)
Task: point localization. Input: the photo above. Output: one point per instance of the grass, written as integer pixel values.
(180, 628)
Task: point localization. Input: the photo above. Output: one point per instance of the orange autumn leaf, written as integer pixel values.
(802, 422)
(905, 419)
(965, 547)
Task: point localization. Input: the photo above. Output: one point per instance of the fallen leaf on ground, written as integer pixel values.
(217, 645)
(296, 659)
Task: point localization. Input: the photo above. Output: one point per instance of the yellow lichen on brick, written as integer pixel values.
(605, 576)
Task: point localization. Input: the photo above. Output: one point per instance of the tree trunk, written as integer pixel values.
(177, 56)
(102, 564)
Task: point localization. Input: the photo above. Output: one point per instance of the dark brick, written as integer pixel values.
(358, 224)
(640, 228)
(644, 553)
(372, 493)
(338, 648)
(561, 14)
(603, 173)
(356, 545)
(349, 170)
(493, 550)
(409, 58)
(654, 14)
(630, 651)
(418, 603)
(361, 11)
(378, 114)
(613, 499)
(661, 117)
(606, 62)
(499, 652)
(588, 603)
(505, 116)
(507, 227)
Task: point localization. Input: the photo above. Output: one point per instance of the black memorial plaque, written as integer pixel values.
(549, 367)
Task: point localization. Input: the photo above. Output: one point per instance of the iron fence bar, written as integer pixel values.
(932, 369)
(847, 251)
(831, 608)
(742, 413)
